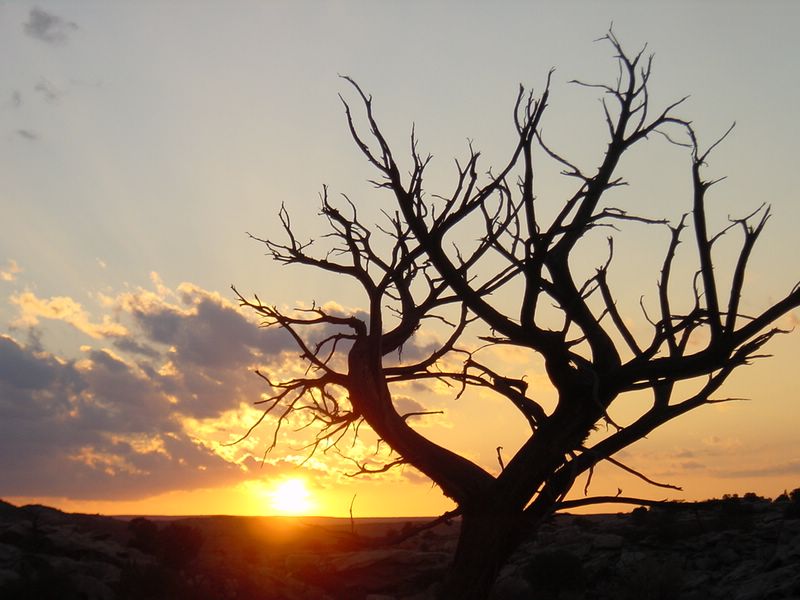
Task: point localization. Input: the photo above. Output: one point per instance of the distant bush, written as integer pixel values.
(179, 544)
(175, 545)
(639, 515)
(793, 507)
(144, 535)
(662, 523)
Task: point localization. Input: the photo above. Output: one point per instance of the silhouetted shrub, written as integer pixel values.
(175, 545)
(736, 513)
(663, 524)
(793, 507)
(179, 544)
(639, 515)
(144, 535)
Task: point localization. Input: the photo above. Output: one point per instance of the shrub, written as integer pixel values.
(179, 545)
(793, 508)
(144, 535)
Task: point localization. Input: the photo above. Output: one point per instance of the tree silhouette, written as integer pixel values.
(420, 266)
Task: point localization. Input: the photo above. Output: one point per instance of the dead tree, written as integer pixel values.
(417, 267)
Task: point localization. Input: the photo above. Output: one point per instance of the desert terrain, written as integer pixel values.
(745, 548)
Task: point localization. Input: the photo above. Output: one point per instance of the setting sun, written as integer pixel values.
(291, 497)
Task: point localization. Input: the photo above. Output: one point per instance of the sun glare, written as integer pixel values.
(291, 497)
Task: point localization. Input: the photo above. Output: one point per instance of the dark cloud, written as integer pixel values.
(98, 428)
(27, 134)
(22, 370)
(48, 27)
(214, 335)
(106, 360)
(205, 351)
(117, 422)
(128, 344)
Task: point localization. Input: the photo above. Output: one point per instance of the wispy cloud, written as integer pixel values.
(61, 308)
(48, 91)
(27, 134)
(791, 467)
(10, 271)
(47, 27)
(94, 428)
(16, 99)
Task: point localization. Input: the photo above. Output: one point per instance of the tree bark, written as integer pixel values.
(487, 539)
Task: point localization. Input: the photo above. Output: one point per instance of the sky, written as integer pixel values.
(141, 141)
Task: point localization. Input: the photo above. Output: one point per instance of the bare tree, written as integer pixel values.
(419, 267)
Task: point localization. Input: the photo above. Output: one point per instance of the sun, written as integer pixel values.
(291, 497)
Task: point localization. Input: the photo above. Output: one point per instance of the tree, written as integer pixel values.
(417, 267)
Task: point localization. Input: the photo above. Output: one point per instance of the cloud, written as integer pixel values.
(48, 91)
(102, 427)
(129, 344)
(206, 331)
(120, 419)
(27, 134)
(692, 465)
(21, 369)
(16, 99)
(98, 428)
(62, 308)
(791, 468)
(48, 27)
(10, 271)
(405, 405)
(163, 378)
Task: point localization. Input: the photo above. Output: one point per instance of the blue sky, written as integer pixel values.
(140, 141)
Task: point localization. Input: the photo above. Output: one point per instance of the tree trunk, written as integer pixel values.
(485, 543)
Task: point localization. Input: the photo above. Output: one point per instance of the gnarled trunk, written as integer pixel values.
(487, 539)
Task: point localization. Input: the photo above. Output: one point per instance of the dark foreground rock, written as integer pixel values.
(736, 548)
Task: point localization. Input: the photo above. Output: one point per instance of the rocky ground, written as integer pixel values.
(738, 548)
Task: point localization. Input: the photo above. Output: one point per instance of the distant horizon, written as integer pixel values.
(622, 508)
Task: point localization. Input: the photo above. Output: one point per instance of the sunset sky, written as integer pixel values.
(139, 141)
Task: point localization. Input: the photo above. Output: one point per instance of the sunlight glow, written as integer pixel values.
(291, 497)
